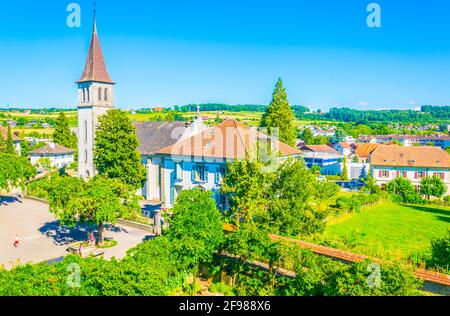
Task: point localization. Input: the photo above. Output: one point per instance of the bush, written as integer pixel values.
(365, 278)
(354, 203)
(440, 253)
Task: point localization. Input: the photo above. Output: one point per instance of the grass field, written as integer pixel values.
(390, 231)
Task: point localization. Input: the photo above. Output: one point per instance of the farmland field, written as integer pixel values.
(391, 231)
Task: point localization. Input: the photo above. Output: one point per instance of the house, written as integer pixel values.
(324, 157)
(58, 155)
(362, 152)
(197, 157)
(343, 148)
(413, 163)
(16, 139)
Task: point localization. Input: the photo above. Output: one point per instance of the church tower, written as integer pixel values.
(95, 98)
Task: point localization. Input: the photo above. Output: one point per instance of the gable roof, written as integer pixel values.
(52, 149)
(227, 140)
(4, 134)
(364, 150)
(95, 67)
(153, 136)
(392, 155)
(320, 149)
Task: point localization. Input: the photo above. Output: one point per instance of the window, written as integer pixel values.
(100, 94)
(199, 173)
(106, 94)
(85, 132)
(222, 205)
(439, 175)
(220, 174)
(383, 173)
(83, 92)
(403, 174)
(419, 174)
(85, 156)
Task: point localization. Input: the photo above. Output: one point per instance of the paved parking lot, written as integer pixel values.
(35, 226)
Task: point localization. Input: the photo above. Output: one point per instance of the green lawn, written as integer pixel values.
(390, 231)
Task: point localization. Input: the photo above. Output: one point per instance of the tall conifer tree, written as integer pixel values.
(280, 115)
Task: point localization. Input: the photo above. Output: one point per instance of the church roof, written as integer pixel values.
(95, 68)
(153, 136)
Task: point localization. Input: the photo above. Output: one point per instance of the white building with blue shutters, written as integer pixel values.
(181, 157)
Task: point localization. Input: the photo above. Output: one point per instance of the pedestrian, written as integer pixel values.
(16, 241)
(80, 250)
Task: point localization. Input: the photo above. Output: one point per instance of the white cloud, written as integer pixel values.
(362, 103)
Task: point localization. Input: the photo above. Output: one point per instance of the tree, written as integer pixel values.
(14, 170)
(307, 136)
(338, 136)
(290, 210)
(62, 134)
(115, 153)
(279, 115)
(246, 186)
(344, 173)
(196, 228)
(9, 146)
(99, 201)
(432, 186)
(403, 189)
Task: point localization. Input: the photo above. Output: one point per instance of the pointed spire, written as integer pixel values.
(95, 68)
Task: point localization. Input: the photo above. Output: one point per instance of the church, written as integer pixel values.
(177, 155)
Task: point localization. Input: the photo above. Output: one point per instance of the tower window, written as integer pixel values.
(83, 95)
(87, 94)
(85, 156)
(85, 132)
(106, 94)
(100, 94)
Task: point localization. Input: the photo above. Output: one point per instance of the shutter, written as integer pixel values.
(442, 175)
(380, 174)
(216, 176)
(388, 174)
(416, 175)
(172, 195)
(193, 173)
(206, 174)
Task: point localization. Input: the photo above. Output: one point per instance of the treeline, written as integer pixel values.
(427, 114)
(208, 107)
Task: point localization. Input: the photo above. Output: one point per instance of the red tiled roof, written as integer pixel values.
(364, 150)
(345, 145)
(227, 140)
(392, 155)
(4, 134)
(95, 68)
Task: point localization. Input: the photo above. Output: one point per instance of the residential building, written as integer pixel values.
(323, 156)
(413, 163)
(343, 148)
(59, 156)
(16, 139)
(199, 161)
(363, 151)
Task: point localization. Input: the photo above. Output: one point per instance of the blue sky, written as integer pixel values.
(166, 52)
